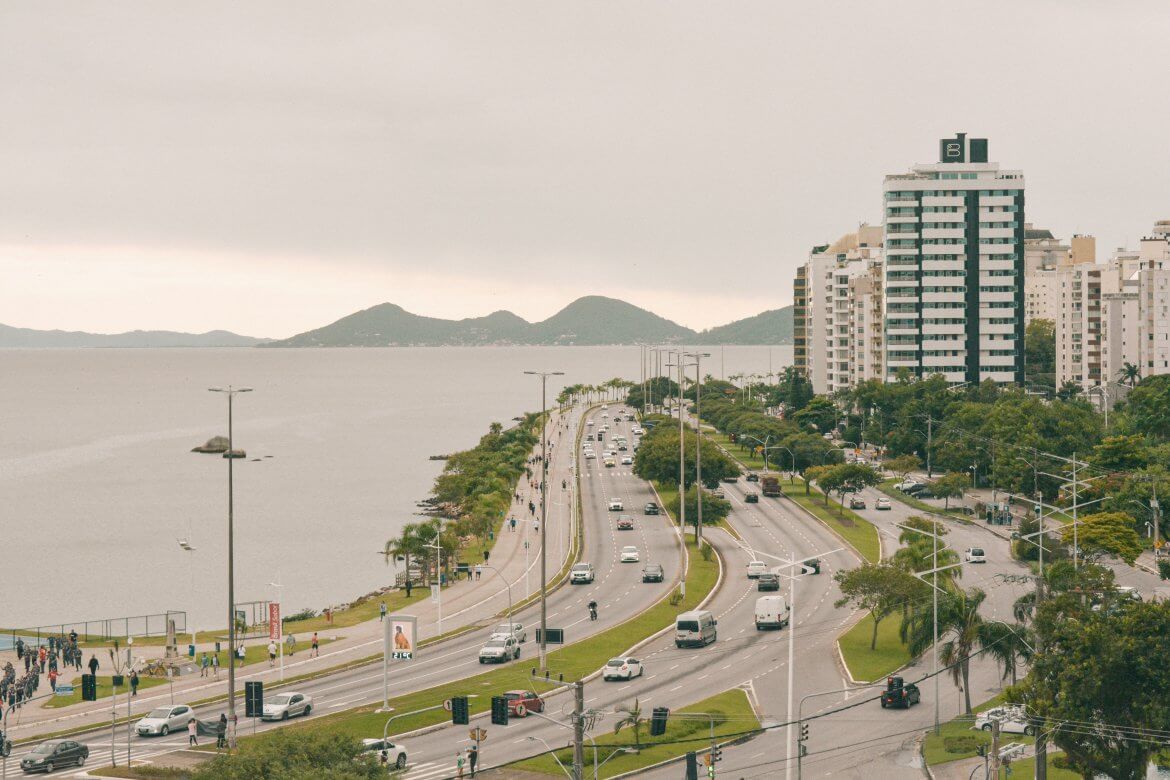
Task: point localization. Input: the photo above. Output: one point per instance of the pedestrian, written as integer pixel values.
(93, 664)
(472, 757)
(486, 555)
(53, 679)
(42, 656)
(478, 572)
(382, 612)
(215, 666)
(19, 649)
(221, 732)
(133, 682)
(459, 764)
(192, 732)
(271, 653)
(316, 651)
(291, 641)
(409, 585)
(241, 653)
(204, 663)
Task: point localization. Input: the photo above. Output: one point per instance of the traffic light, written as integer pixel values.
(88, 687)
(253, 699)
(499, 711)
(658, 721)
(692, 766)
(717, 753)
(459, 714)
(804, 732)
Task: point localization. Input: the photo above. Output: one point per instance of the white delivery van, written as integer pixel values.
(771, 612)
(694, 629)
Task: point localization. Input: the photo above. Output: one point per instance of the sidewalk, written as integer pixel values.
(464, 602)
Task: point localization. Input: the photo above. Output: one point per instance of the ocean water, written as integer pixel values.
(98, 484)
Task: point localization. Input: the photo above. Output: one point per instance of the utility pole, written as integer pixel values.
(995, 748)
(544, 375)
(578, 730)
(929, 441)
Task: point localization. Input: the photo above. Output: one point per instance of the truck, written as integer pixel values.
(770, 486)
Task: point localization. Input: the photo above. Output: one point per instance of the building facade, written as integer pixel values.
(954, 268)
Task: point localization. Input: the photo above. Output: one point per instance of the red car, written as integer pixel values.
(625, 523)
(521, 702)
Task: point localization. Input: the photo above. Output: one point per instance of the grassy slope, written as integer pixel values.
(732, 705)
(870, 665)
(573, 661)
(859, 532)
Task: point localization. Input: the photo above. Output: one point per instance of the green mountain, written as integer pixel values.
(769, 327)
(27, 338)
(592, 320)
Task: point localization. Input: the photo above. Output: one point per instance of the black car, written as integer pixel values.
(768, 581)
(650, 509)
(752, 498)
(814, 564)
(54, 754)
(899, 694)
(653, 572)
(752, 477)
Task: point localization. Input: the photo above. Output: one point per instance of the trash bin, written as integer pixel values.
(190, 651)
(217, 647)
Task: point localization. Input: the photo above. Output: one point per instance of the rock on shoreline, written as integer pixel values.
(216, 444)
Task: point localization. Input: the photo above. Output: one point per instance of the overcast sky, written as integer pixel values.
(268, 167)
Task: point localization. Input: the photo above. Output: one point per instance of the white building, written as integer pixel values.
(954, 269)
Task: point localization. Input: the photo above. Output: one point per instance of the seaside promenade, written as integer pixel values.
(464, 602)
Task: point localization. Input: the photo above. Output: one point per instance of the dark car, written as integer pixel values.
(814, 564)
(650, 509)
(653, 572)
(752, 477)
(768, 581)
(752, 498)
(914, 489)
(899, 694)
(54, 754)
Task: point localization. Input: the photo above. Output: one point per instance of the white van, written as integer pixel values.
(771, 612)
(694, 629)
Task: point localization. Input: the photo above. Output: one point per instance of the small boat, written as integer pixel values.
(235, 454)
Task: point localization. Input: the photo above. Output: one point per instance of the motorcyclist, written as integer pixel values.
(593, 610)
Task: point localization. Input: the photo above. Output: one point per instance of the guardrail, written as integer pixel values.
(97, 630)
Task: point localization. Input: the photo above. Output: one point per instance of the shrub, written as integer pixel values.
(965, 743)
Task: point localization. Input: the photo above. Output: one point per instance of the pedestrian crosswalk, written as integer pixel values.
(432, 770)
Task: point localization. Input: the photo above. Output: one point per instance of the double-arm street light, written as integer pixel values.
(231, 393)
(544, 375)
(698, 356)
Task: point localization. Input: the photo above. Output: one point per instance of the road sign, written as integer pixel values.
(63, 690)
(274, 625)
(447, 705)
(556, 636)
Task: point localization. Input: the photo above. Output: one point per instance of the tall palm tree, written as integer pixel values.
(632, 717)
(1130, 373)
(1009, 645)
(959, 630)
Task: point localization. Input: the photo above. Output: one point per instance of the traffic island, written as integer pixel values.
(890, 654)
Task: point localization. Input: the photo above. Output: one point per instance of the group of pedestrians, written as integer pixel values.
(39, 660)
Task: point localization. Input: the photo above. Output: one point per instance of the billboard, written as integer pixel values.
(401, 635)
(274, 625)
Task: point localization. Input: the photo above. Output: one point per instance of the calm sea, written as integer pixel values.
(97, 481)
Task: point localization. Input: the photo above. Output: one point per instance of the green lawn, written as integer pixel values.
(104, 689)
(861, 534)
(887, 487)
(871, 665)
(733, 715)
(573, 661)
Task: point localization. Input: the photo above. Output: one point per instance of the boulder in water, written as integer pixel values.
(215, 444)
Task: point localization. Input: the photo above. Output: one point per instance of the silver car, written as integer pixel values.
(163, 720)
(285, 705)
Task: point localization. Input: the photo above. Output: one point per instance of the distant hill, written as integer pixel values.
(769, 327)
(28, 338)
(592, 320)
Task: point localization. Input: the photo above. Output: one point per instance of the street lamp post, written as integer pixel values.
(187, 546)
(544, 375)
(231, 393)
(698, 356)
(508, 585)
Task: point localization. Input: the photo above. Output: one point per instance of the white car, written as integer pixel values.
(622, 669)
(1012, 720)
(629, 554)
(285, 705)
(581, 573)
(498, 651)
(882, 503)
(590, 455)
(755, 569)
(975, 555)
(163, 720)
(906, 484)
(514, 630)
(615, 505)
(589, 423)
(385, 752)
(627, 460)
(638, 432)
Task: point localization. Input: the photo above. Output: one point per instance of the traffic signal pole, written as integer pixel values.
(578, 730)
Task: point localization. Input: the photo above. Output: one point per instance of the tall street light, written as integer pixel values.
(698, 356)
(544, 375)
(231, 392)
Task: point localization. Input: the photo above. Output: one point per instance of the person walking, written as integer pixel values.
(291, 641)
(316, 647)
(459, 765)
(53, 679)
(478, 571)
(409, 585)
(271, 653)
(472, 757)
(215, 666)
(93, 665)
(204, 663)
(133, 682)
(192, 732)
(382, 612)
(221, 732)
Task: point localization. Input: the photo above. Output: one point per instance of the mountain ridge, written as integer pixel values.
(30, 338)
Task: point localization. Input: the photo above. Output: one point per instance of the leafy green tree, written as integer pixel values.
(1129, 374)
(959, 629)
(1040, 352)
(820, 414)
(714, 508)
(903, 464)
(918, 553)
(1106, 533)
(880, 588)
(1010, 645)
(630, 716)
(846, 478)
(1148, 406)
(950, 486)
(657, 458)
(293, 754)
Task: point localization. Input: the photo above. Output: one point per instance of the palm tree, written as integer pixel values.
(1130, 373)
(631, 716)
(959, 629)
(408, 543)
(1009, 645)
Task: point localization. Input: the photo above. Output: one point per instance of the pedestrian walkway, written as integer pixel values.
(464, 602)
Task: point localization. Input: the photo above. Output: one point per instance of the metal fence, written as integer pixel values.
(98, 630)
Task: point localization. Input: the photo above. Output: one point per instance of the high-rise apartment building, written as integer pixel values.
(954, 267)
(800, 320)
(1042, 254)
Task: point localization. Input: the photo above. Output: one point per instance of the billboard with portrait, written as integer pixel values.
(400, 638)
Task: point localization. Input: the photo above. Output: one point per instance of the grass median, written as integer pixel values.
(888, 488)
(733, 715)
(573, 662)
(867, 665)
(104, 689)
(668, 492)
(861, 534)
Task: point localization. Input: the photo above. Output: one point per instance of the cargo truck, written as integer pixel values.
(770, 486)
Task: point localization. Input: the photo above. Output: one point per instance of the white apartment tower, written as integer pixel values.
(954, 267)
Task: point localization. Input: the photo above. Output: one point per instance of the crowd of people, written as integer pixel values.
(39, 660)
